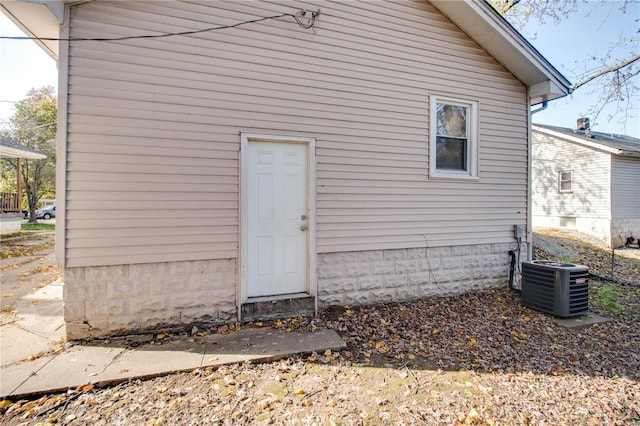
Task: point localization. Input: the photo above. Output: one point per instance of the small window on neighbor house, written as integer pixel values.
(453, 142)
(565, 181)
(567, 222)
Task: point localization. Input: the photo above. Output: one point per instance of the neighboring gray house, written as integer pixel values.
(381, 155)
(586, 180)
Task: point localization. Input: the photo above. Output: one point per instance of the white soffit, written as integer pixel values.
(37, 20)
(482, 23)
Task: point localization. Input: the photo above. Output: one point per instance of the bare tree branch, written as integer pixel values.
(508, 5)
(606, 71)
(608, 82)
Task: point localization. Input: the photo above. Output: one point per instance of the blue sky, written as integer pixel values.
(24, 65)
(567, 44)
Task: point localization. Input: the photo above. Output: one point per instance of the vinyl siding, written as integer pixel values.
(625, 183)
(590, 195)
(153, 127)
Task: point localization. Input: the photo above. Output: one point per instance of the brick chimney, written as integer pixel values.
(583, 123)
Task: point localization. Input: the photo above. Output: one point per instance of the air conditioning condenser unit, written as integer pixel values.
(560, 289)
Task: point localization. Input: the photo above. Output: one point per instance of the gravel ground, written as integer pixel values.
(478, 358)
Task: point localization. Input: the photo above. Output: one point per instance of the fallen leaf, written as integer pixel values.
(85, 388)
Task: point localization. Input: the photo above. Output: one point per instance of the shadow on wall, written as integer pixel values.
(588, 197)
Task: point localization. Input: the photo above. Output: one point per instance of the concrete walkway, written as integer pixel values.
(35, 360)
(111, 363)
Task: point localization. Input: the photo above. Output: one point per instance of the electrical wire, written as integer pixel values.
(310, 24)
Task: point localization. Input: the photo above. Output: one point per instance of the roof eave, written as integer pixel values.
(490, 30)
(624, 153)
(588, 143)
(9, 152)
(38, 19)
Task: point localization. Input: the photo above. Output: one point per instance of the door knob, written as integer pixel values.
(303, 227)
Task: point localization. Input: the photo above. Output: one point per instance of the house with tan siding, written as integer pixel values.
(252, 159)
(588, 181)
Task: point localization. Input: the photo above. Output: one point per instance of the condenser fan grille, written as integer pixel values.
(560, 289)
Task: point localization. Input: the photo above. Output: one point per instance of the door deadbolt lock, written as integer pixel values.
(303, 227)
(303, 217)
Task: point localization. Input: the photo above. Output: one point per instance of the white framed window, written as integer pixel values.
(567, 221)
(565, 181)
(453, 142)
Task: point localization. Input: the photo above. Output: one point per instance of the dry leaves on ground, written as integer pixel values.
(471, 359)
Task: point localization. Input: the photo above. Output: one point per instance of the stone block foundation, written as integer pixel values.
(360, 278)
(123, 299)
(108, 300)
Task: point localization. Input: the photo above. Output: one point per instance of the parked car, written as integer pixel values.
(46, 212)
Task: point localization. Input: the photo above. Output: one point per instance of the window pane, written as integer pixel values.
(567, 222)
(451, 120)
(565, 181)
(451, 154)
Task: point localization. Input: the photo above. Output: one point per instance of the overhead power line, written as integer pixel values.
(310, 23)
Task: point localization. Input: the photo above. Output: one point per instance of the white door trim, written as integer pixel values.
(245, 139)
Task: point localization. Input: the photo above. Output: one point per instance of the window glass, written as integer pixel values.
(567, 222)
(452, 120)
(451, 154)
(565, 180)
(451, 150)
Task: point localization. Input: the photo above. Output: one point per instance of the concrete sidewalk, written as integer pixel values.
(111, 363)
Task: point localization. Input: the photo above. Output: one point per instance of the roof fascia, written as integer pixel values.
(490, 30)
(10, 152)
(37, 20)
(577, 140)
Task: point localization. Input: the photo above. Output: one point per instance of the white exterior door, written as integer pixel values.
(277, 218)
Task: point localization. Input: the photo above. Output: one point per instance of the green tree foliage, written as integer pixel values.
(610, 78)
(34, 125)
